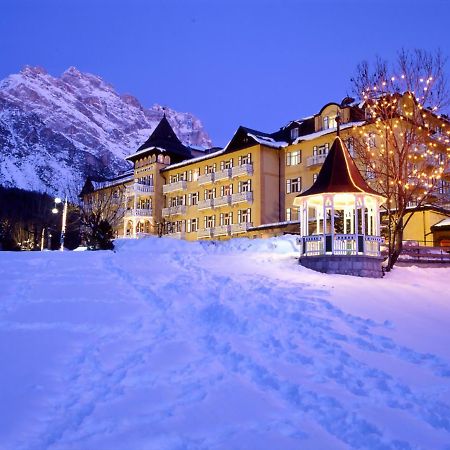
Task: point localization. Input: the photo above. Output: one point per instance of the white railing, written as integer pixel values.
(138, 212)
(177, 235)
(314, 160)
(139, 188)
(242, 197)
(244, 169)
(176, 186)
(222, 174)
(240, 227)
(220, 201)
(205, 233)
(341, 244)
(205, 204)
(174, 210)
(205, 179)
(222, 230)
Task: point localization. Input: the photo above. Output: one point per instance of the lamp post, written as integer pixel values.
(64, 218)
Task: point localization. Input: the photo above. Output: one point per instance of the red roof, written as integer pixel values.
(339, 174)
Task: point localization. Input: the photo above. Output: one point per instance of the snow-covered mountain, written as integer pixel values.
(56, 131)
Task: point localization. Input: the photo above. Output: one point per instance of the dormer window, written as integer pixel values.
(329, 122)
(294, 133)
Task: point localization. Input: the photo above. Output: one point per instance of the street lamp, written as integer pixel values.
(55, 210)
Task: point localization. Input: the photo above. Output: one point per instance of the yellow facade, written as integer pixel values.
(246, 189)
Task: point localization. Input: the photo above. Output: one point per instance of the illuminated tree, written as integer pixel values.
(404, 144)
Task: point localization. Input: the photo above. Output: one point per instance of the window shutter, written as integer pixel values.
(221, 191)
(288, 186)
(240, 160)
(249, 158)
(240, 186)
(222, 165)
(249, 184)
(214, 193)
(221, 218)
(288, 158)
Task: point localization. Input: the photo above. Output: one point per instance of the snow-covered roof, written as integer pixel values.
(120, 179)
(269, 142)
(276, 224)
(194, 160)
(311, 136)
(443, 223)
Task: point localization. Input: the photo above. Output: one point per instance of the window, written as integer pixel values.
(288, 214)
(210, 221)
(193, 198)
(177, 201)
(192, 225)
(226, 190)
(315, 175)
(245, 186)
(226, 218)
(293, 185)
(370, 174)
(293, 158)
(350, 145)
(329, 122)
(210, 169)
(294, 133)
(244, 215)
(247, 159)
(226, 164)
(210, 193)
(371, 140)
(321, 149)
(292, 214)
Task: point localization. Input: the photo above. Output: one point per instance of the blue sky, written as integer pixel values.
(254, 63)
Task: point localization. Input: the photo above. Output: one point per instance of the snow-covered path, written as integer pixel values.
(175, 345)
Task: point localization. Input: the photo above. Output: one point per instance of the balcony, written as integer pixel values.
(205, 233)
(205, 179)
(315, 160)
(222, 230)
(174, 187)
(244, 169)
(224, 174)
(139, 188)
(237, 228)
(138, 212)
(241, 197)
(221, 201)
(205, 204)
(174, 210)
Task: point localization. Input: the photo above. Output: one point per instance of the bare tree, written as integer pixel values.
(404, 143)
(100, 211)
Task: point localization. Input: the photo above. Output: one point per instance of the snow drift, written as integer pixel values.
(175, 345)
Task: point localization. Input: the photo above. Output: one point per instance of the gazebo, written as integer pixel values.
(340, 219)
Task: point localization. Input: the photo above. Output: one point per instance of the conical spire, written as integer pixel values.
(339, 174)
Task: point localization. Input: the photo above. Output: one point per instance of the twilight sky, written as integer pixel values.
(256, 63)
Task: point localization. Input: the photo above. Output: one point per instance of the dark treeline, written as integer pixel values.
(27, 221)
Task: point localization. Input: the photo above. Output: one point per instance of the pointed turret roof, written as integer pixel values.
(163, 139)
(339, 174)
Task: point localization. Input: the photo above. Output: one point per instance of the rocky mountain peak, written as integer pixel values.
(75, 124)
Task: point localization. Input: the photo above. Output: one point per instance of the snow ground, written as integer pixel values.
(174, 345)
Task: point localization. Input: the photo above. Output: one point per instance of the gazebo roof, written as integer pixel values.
(339, 174)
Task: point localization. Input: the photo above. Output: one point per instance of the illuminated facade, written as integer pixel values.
(245, 189)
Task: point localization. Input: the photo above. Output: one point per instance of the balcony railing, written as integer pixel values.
(224, 174)
(205, 233)
(139, 188)
(221, 201)
(242, 197)
(205, 204)
(174, 210)
(141, 212)
(315, 160)
(244, 169)
(205, 179)
(240, 227)
(173, 187)
(222, 230)
(341, 244)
